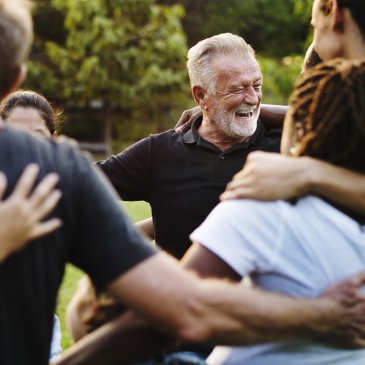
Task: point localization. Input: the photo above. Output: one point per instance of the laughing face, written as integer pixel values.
(235, 106)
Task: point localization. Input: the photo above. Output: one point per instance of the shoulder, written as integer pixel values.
(157, 139)
(244, 233)
(247, 216)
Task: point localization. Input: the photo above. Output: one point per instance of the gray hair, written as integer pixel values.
(16, 34)
(200, 55)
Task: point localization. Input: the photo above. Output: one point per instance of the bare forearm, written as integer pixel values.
(210, 311)
(219, 312)
(273, 115)
(125, 340)
(343, 186)
(237, 316)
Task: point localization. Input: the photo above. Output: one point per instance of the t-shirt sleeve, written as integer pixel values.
(129, 171)
(243, 233)
(106, 243)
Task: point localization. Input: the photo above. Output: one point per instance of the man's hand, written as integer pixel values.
(187, 118)
(269, 176)
(21, 214)
(349, 325)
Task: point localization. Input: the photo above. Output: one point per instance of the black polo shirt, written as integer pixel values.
(181, 176)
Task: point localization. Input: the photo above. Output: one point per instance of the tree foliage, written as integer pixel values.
(118, 53)
(128, 56)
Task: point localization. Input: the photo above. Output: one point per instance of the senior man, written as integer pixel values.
(182, 175)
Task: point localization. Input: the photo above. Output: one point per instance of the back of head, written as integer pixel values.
(328, 111)
(199, 57)
(15, 39)
(30, 99)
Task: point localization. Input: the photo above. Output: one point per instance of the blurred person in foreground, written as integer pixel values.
(32, 112)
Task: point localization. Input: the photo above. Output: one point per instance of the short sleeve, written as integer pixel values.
(243, 233)
(105, 242)
(129, 171)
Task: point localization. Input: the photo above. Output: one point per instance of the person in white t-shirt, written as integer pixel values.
(300, 247)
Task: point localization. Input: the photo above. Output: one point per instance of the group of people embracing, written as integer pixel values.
(293, 222)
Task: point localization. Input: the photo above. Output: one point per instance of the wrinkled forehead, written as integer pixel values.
(235, 65)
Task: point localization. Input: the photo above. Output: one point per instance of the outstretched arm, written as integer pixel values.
(22, 213)
(215, 312)
(271, 176)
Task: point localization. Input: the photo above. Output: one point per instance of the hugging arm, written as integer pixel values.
(213, 312)
(271, 176)
(22, 213)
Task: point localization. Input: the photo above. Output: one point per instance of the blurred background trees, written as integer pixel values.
(117, 67)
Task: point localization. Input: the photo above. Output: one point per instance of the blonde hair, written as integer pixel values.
(16, 34)
(199, 57)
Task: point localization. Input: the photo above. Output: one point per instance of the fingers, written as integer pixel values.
(357, 280)
(184, 127)
(43, 190)
(3, 184)
(187, 118)
(46, 205)
(26, 181)
(45, 228)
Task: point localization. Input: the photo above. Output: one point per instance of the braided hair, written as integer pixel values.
(328, 112)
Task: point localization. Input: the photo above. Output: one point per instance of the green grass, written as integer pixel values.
(137, 211)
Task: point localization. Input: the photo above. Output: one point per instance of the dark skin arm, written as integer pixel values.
(338, 316)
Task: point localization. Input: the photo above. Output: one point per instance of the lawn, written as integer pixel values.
(137, 211)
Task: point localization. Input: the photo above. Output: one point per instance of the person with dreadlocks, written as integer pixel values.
(298, 247)
(339, 31)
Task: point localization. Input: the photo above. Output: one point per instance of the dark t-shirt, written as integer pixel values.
(96, 236)
(181, 176)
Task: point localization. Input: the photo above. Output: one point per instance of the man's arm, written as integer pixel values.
(271, 176)
(214, 312)
(273, 115)
(146, 226)
(22, 213)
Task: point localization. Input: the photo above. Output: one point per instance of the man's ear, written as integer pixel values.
(338, 18)
(198, 94)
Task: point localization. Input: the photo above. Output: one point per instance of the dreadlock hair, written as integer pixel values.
(328, 111)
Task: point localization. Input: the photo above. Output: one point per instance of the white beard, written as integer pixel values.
(231, 124)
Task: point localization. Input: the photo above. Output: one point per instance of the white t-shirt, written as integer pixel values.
(296, 249)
